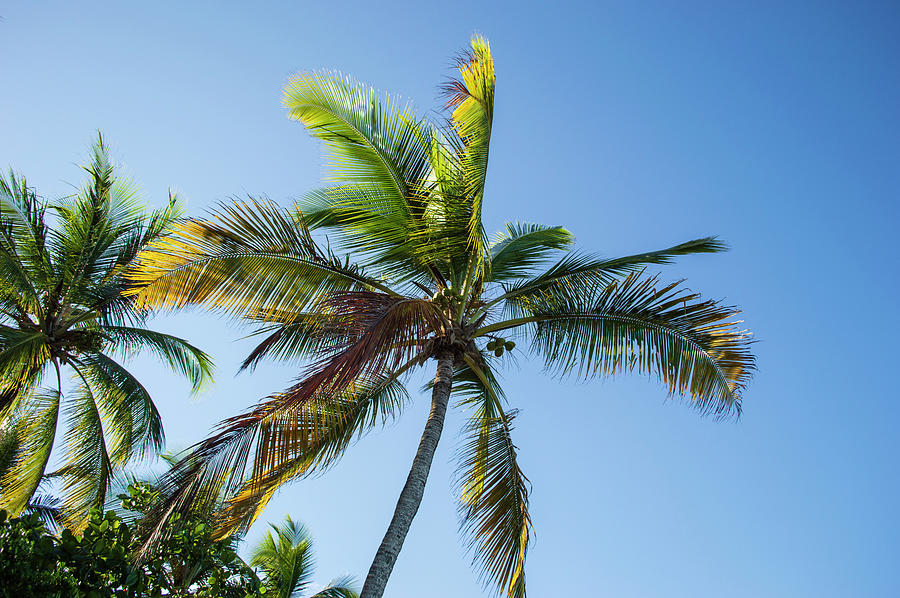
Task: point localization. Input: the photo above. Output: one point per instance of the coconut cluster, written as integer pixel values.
(499, 345)
(447, 298)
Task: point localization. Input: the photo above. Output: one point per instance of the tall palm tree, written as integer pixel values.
(425, 283)
(285, 557)
(63, 307)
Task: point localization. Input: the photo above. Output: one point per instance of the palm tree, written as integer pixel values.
(425, 284)
(285, 557)
(62, 305)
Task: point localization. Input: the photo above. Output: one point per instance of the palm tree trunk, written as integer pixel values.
(411, 496)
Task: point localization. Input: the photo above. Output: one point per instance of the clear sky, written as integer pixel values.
(772, 124)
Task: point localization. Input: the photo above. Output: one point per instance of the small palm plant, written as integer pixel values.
(284, 556)
(63, 307)
(421, 282)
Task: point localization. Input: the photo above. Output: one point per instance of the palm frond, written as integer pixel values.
(251, 258)
(342, 587)
(286, 558)
(308, 439)
(23, 354)
(693, 346)
(25, 266)
(403, 239)
(302, 335)
(368, 136)
(88, 468)
(494, 491)
(471, 96)
(583, 270)
(48, 508)
(134, 425)
(516, 251)
(177, 353)
(292, 434)
(28, 439)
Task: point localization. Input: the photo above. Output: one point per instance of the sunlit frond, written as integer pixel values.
(285, 557)
(29, 439)
(368, 136)
(250, 258)
(471, 96)
(494, 491)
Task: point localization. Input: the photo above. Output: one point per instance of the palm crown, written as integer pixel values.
(285, 558)
(62, 305)
(425, 282)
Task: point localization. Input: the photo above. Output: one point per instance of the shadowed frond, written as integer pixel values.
(308, 439)
(692, 345)
(178, 354)
(24, 261)
(23, 354)
(131, 419)
(578, 270)
(88, 467)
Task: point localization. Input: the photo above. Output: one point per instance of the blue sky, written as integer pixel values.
(773, 125)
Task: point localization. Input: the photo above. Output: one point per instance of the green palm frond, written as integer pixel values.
(692, 345)
(395, 237)
(29, 438)
(368, 136)
(472, 98)
(342, 587)
(88, 468)
(516, 251)
(132, 420)
(494, 491)
(178, 354)
(285, 556)
(579, 270)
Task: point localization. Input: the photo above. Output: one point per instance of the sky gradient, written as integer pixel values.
(773, 125)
